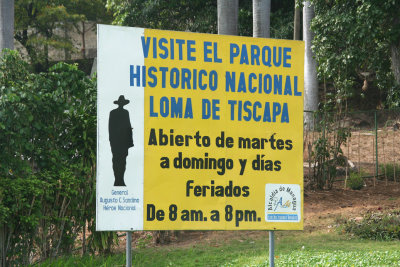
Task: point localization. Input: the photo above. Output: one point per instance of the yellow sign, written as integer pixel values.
(222, 130)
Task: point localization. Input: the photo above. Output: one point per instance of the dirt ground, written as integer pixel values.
(321, 206)
(321, 209)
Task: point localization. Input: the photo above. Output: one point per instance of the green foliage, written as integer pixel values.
(47, 164)
(197, 16)
(376, 226)
(355, 181)
(352, 47)
(102, 241)
(245, 18)
(282, 21)
(41, 25)
(390, 171)
(145, 241)
(327, 152)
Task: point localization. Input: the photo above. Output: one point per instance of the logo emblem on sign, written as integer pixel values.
(282, 203)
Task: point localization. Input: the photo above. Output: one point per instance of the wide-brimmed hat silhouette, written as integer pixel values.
(121, 101)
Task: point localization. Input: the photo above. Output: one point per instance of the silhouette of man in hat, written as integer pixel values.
(120, 135)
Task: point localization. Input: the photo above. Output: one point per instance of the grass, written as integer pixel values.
(291, 249)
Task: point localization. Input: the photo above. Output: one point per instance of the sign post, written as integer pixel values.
(198, 131)
(271, 249)
(128, 249)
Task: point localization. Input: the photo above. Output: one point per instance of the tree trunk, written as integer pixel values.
(228, 15)
(67, 53)
(395, 53)
(83, 40)
(310, 67)
(6, 24)
(261, 18)
(395, 58)
(296, 22)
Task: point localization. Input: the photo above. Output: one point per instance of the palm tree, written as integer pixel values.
(228, 14)
(261, 18)
(310, 66)
(296, 22)
(6, 24)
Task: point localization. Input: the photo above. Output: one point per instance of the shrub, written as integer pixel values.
(47, 159)
(390, 170)
(328, 155)
(355, 180)
(376, 226)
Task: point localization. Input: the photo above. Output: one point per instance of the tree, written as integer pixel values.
(194, 16)
(357, 47)
(310, 65)
(35, 29)
(228, 12)
(90, 11)
(6, 24)
(261, 18)
(41, 25)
